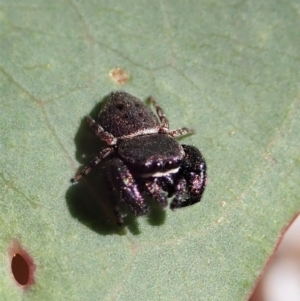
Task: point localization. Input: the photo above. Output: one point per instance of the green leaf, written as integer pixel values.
(229, 69)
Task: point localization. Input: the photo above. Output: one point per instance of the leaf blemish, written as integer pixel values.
(22, 265)
(119, 75)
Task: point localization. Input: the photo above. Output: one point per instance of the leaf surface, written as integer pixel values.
(228, 69)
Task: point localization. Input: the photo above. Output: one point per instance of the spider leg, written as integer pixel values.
(99, 131)
(96, 160)
(125, 188)
(154, 188)
(192, 179)
(162, 117)
(115, 204)
(165, 123)
(180, 132)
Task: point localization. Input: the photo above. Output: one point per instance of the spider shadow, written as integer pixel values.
(88, 200)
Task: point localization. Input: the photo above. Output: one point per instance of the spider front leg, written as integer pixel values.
(160, 188)
(125, 188)
(154, 187)
(191, 181)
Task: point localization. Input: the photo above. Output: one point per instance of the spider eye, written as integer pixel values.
(120, 106)
(169, 164)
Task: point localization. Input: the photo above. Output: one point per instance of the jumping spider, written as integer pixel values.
(145, 157)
